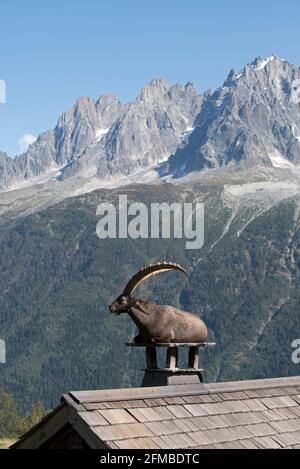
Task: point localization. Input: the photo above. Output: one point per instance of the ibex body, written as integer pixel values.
(158, 323)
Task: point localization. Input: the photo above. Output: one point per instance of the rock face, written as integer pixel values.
(75, 130)
(40, 158)
(253, 119)
(7, 170)
(108, 138)
(151, 128)
(148, 131)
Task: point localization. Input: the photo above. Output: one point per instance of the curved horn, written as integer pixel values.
(150, 271)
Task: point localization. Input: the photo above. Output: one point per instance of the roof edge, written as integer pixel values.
(60, 417)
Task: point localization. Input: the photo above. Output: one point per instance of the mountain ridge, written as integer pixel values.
(106, 137)
(253, 119)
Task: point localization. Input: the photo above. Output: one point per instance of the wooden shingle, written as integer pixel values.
(165, 427)
(202, 399)
(286, 412)
(261, 429)
(186, 424)
(297, 398)
(123, 431)
(163, 443)
(150, 414)
(179, 411)
(174, 400)
(199, 438)
(195, 409)
(233, 396)
(241, 418)
(219, 435)
(249, 443)
(295, 411)
(211, 422)
(283, 426)
(229, 445)
(270, 415)
(155, 402)
(285, 439)
(129, 444)
(240, 432)
(93, 418)
(97, 406)
(267, 442)
(115, 416)
(254, 404)
(127, 404)
(225, 407)
(180, 440)
(278, 402)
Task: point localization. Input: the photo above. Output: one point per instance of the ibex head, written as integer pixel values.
(123, 303)
(120, 305)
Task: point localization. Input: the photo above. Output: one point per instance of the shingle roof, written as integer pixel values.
(244, 414)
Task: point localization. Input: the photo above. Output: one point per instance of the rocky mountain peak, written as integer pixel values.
(154, 90)
(7, 172)
(84, 108)
(252, 120)
(109, 108)
(258, 69)
(188, 85)
(260, 63)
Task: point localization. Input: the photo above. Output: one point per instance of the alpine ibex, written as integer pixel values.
(158, 323)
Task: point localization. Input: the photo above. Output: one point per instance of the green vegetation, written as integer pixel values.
(57, 278)
(5, 443)
(12, 424)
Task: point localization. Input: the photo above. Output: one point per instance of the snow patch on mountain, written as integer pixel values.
(278, 161)
(100, 133)
(265, 62)
(186, 134)
(262, 63)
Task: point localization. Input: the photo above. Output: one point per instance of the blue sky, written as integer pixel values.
(53, 51)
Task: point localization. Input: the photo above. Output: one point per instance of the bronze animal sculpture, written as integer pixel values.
(158, 323)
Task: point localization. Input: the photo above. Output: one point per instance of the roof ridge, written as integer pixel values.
(125, 394)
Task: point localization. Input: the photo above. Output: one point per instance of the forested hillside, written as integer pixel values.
(57, 278)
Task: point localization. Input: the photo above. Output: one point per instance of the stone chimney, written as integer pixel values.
(171, 374)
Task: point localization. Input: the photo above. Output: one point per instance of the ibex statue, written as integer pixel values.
(158, 323)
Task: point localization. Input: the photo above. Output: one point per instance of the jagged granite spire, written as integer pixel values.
(253, 119)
